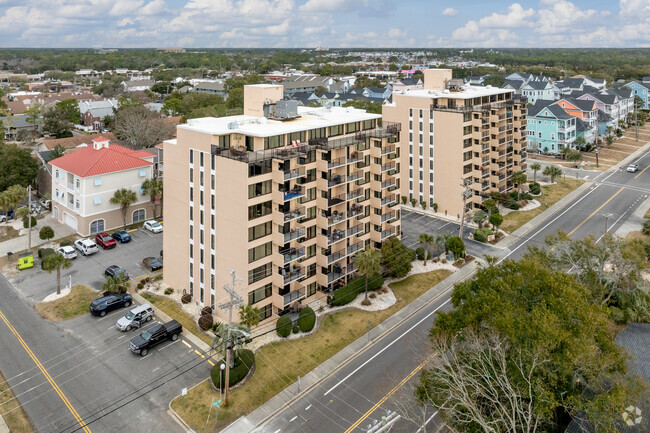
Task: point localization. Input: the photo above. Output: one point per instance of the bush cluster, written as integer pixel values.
(306, 319)
(205, 322)
(26, 222)
(526, 196)
(283, 326)
(534, 188)
(186, 298)
(244, 361)
(346, 294)
(44, 252)
(419, 253)
(65, 243)
(481, 235)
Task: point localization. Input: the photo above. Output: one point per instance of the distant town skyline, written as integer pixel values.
(326, 23)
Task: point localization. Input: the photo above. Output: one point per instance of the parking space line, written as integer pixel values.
(108, 315)
(141, 276)
(211, 363)
(199, 353)
(162, 348)
(132, 230)
(187, 344)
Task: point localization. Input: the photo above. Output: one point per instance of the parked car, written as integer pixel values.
(154, 336)
(135, 318)
(632, 168)
(152, 263)
(3, 218)
(153, 226)
(106, 304)
(116, 271)
(68, 252)
(122, 236)
(86, 247)
(105, 240)
(45, 204)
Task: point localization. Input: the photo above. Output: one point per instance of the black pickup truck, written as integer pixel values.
(154, 336)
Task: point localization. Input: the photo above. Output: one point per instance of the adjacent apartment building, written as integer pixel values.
(84, 181)
(282, 195)
(455, 134)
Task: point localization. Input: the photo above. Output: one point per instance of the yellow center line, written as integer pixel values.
(637, 176)
(595, 212)
(211, 363)
(65, 400)
(391, 392)
(199, 353)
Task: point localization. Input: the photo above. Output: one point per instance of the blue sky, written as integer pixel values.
(328, 23)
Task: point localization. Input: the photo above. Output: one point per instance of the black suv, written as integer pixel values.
(106, 304)
(154, 336)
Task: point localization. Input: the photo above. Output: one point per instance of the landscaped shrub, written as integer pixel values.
(65, 243)
(206, 310)
(346, 294)
(396, 257)
(244, 361)
(186, 298)
(296, 329)
(481, 235)
(514, 195)
(283, 326)
(44, 252)
(419, 252)
(534, 188)
(373, 295)
(205, 322)
(514, 206)
(26, 222)
(306, 319)
(169, 291)
(140, 285)
(526, 196)
(46, 233)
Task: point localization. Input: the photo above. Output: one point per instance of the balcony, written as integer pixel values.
(388, 150)
(355, 176)
(294, 214)
(389, 200)
(485, 174)
(294, 173)
(336, 256)
(355, 157)
(388, 167)
(335, 236)
(335, 180)
(336, 273)
(293, 193)
(485, 185)
(485, 149)
(355, 210)
(355, 230)
(337, 217)
(387, 233)
(388, 216)
(70, 185)
(291, 254)
(292, 273)
(294, 296)
(296, 233)
(388, 183)
(355, 194)
(354, 248)
(337, 200)
(338, 162)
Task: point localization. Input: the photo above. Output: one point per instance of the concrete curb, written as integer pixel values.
(346, 355)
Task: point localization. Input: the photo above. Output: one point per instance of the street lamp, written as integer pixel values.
(596, 156)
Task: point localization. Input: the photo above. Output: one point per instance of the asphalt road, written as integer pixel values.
(361, 391)
(79, 375)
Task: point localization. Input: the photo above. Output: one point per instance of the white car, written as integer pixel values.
(86, 246)
(632, 168)
(153, 226)
(68, 252)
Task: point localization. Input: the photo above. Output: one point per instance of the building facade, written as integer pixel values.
(84, 181)
(472, 135)
(282, 195)
(550, 128)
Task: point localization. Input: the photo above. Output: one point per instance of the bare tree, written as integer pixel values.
(141, 127)
(480, 383)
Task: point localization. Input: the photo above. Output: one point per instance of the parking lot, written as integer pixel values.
(35, 284)
(415, 223)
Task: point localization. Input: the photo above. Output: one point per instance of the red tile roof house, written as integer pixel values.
(84, 181)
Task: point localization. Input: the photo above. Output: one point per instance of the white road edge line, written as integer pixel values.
(293, 419)
(308, 407)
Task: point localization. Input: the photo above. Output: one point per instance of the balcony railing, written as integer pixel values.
(296, 295)
(336, 180)
(336, 256)
(388, 183)
(388, 167)
(70, 185)
(294, 214)
(296, 233)
(337, 217)
(337, 162)
(294, 173)
(355, 157)
(355, 211)
(355, 194)
(388, 149)
(336, 273)
(292, 274)
(291, 254)
(485, 185)
(354, 248)
(389, 200)
(355, 230)
(485, 149)
(355, 176)
(335, 236)
(387, 233)
(295, 192)
(388, 216)
(336, 200)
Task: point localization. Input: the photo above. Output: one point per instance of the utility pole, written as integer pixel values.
(636, 119)
(235, 300)
(467, 193)
(29, 217)
(596, 156)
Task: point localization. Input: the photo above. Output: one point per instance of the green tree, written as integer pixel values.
(33, 115)
(124, 198)
(56, 262)
(646, 227)
(494, 80)
(237, 331)
(69, 109)
(496, 219)
(553, 172)
(57, 152)
(535, 166)
(162, 87)
(443, 241)
(457, 247)
(491, 206)
(15, 194)
(235, 98)
(249, 316)
(364, 104)
(368, 264)
(17, 166)
(479, 218)
(46, 233)
(427, 241)
(396, 257)
(518, 178)
(153, 187)
(115, 284)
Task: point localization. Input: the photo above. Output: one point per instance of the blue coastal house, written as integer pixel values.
(642, 90)
(550, 128)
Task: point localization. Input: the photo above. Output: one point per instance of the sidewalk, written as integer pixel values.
(20, 243)
(269, 409)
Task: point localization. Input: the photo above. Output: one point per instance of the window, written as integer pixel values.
(97, 226)
(311, 289)
(191, 156)
(467, 155)
(259, 189)
(317, 133)
(143, 172)
(296, 136)
(78, 184)
(266, 311)
(139, 216)
(335, 130)
(260, 294)
(467, 168)
(98, 181)
(258, 168)
(77, 204)
(273, 142)
(259, 210)
(259, 273)
(352, 127)
(224, 141)
(97, 200)
(260, 252)
(369, 124)
(56, 174)
(260, 231)
(201, 163)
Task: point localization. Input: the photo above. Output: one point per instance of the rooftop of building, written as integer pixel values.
(309, 118)
(468, 92)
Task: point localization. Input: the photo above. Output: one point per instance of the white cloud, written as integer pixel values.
(394, 32)
(450, 12)
(154, 7)
(323, 5)
(562, 15)
(516, 16)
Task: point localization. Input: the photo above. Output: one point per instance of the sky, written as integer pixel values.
(326, 23)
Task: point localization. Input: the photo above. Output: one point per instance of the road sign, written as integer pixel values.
(216, 403)
(184, 391)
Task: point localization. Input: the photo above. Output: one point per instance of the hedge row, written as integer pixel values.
(346, 294)
(306, 319)
(244, 361)
(481, 235)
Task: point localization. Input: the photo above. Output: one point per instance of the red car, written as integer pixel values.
(105, 240)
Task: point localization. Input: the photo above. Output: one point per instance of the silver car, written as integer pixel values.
(135, 318)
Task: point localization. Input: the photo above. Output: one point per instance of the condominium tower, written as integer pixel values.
(282, 195)
(458, 142)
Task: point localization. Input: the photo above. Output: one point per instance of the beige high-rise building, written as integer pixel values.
(283, 195)
(455, 134)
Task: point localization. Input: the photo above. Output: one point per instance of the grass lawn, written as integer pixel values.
(8, 232)
(173, 310)
(11, 412)
(647, 214)
(551, 194)
(279, 364)
(73, 305)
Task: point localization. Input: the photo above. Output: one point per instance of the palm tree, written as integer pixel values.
(428, 241)
(114, 284)
(368, 264)
(553, 172)
(442, 240)
(249, 316)
(153, 187)
(237, 330)
(56, 262)
(519, 178)
(535, 167)
(15, 194)
(124, 198)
